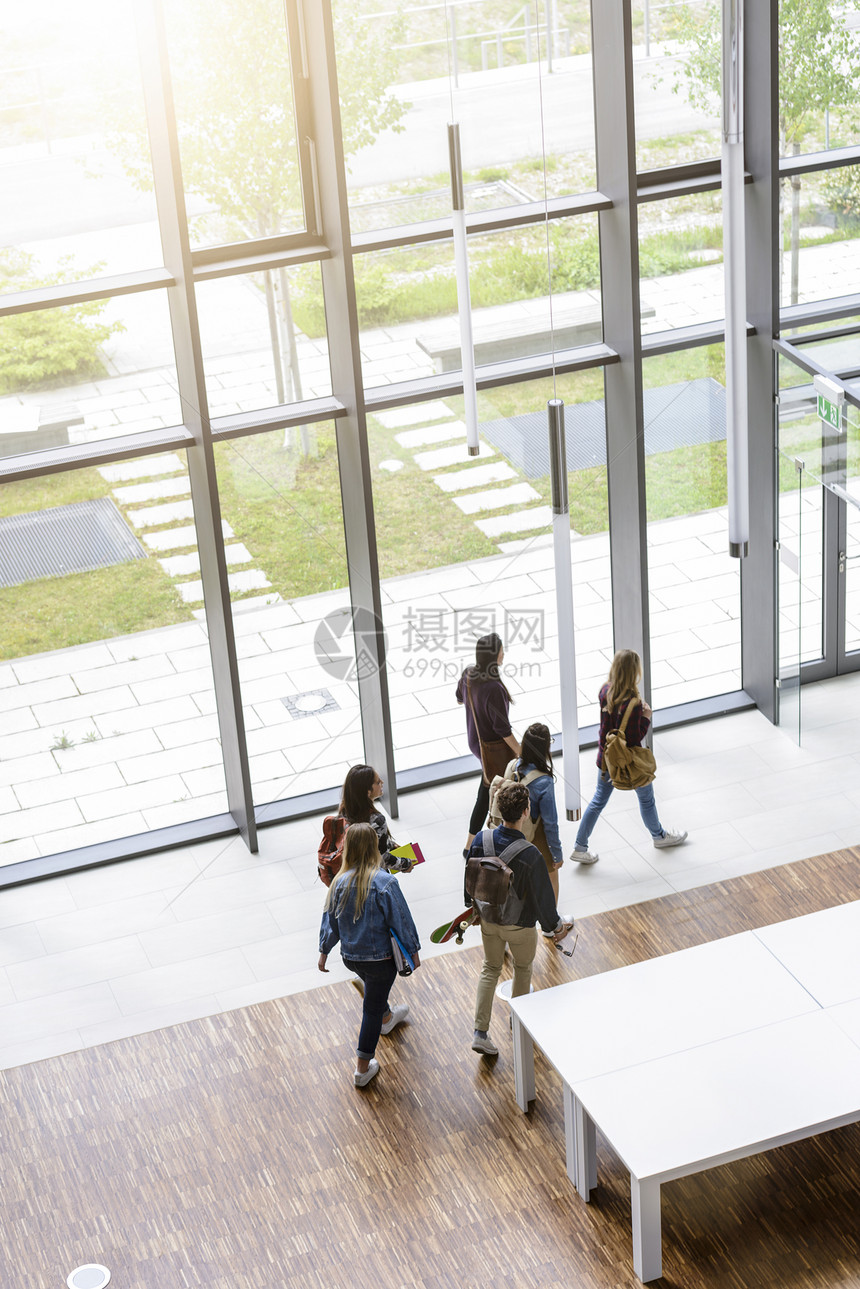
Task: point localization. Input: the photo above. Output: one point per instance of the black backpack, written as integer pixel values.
(489, 881)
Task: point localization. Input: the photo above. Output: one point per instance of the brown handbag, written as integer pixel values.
(495, 754)
(628, 767)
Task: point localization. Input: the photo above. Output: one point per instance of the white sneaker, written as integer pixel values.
(362, 1080)
(584, 857)
(398, 1014)
(484, 1044)
(670, 838)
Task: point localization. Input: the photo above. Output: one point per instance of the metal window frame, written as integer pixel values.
(182, 303)
(327, 240)
(615, 147)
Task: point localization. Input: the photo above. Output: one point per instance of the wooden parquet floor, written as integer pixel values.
(234, 1152)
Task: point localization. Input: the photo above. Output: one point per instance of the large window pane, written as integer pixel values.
(819, 62)
(676, 82)
(694, 584)
(281, 494)
(465, 547)
(407, 299)
(487, 69)
(108, 726)
(821, 234)
(802, 512)
(263, 338)
(234, 110)
(681, 262)
(88, 371)
(72, 127)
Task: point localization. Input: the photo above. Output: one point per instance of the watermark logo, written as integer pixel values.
(438, 643)
(348, 642)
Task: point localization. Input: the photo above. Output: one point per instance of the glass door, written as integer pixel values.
(790, 471)
(825, 458)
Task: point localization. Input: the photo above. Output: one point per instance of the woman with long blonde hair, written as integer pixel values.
(620, 691)
(363, 906)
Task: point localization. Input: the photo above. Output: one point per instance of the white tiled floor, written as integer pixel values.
(147, 943)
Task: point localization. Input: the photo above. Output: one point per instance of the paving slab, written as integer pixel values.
(441, 457)
(37, 691)
(60, 662)
(154, 516)
(476, 476)
(68, 787)
(182, 565)
(156, 491)
(416, 414)
(142, 468)
(118, 801)
(252, 580)
(495, 498)
(41, 819)
(521, 522)
(431, 434)
(176, 538)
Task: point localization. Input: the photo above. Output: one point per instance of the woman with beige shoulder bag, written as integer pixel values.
(485, 697)
(620, 693)
(533, 768)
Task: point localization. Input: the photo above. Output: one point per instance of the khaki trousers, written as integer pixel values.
(522, 941)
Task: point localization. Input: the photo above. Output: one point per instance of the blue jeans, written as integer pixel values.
(378, 977)
(647, 809)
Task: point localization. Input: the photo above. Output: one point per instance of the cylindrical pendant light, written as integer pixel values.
(464, 298)
(734, 261)
(564, 607)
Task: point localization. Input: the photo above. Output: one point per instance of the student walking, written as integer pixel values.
(363, 906)
(361, 790)
(620, 692)
(529, 900)
(534, 769)
(485, 696)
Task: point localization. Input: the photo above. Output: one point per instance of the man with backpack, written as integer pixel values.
(508, 884)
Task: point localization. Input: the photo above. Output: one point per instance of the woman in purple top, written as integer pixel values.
(485, 696)
(620, 690)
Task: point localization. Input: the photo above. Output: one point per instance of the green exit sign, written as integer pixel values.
(828, 411)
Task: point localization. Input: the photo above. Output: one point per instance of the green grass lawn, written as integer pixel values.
(58, 612)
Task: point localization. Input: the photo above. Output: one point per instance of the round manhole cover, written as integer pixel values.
(92, 1276)
(311, 702)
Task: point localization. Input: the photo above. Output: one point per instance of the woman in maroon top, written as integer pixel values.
(485, 696)
(622, 689)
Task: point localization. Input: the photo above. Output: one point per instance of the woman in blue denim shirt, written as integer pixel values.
(363, 906)
(537, 759)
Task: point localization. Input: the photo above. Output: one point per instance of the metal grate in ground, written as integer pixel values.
(65, 539)
(676, 416)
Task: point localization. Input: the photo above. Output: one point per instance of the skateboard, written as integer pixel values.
(456, 928)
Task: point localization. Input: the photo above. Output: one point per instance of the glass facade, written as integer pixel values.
(77, 194)
(109, 726)
(267, 552)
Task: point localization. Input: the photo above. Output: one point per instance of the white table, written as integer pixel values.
(702, 1056)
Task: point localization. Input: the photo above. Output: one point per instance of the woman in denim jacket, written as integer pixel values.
(536, 758)
(363, 906)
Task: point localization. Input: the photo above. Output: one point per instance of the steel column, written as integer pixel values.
(170, 199)
(342, 327)
(759, 625)
(612, 43)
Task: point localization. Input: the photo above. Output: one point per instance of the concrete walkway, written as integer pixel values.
(133, 947)
(113, 738)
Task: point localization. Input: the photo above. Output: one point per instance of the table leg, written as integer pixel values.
(524, 1065)
(570, 1132)
(586, 1149)
(647, 1243)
